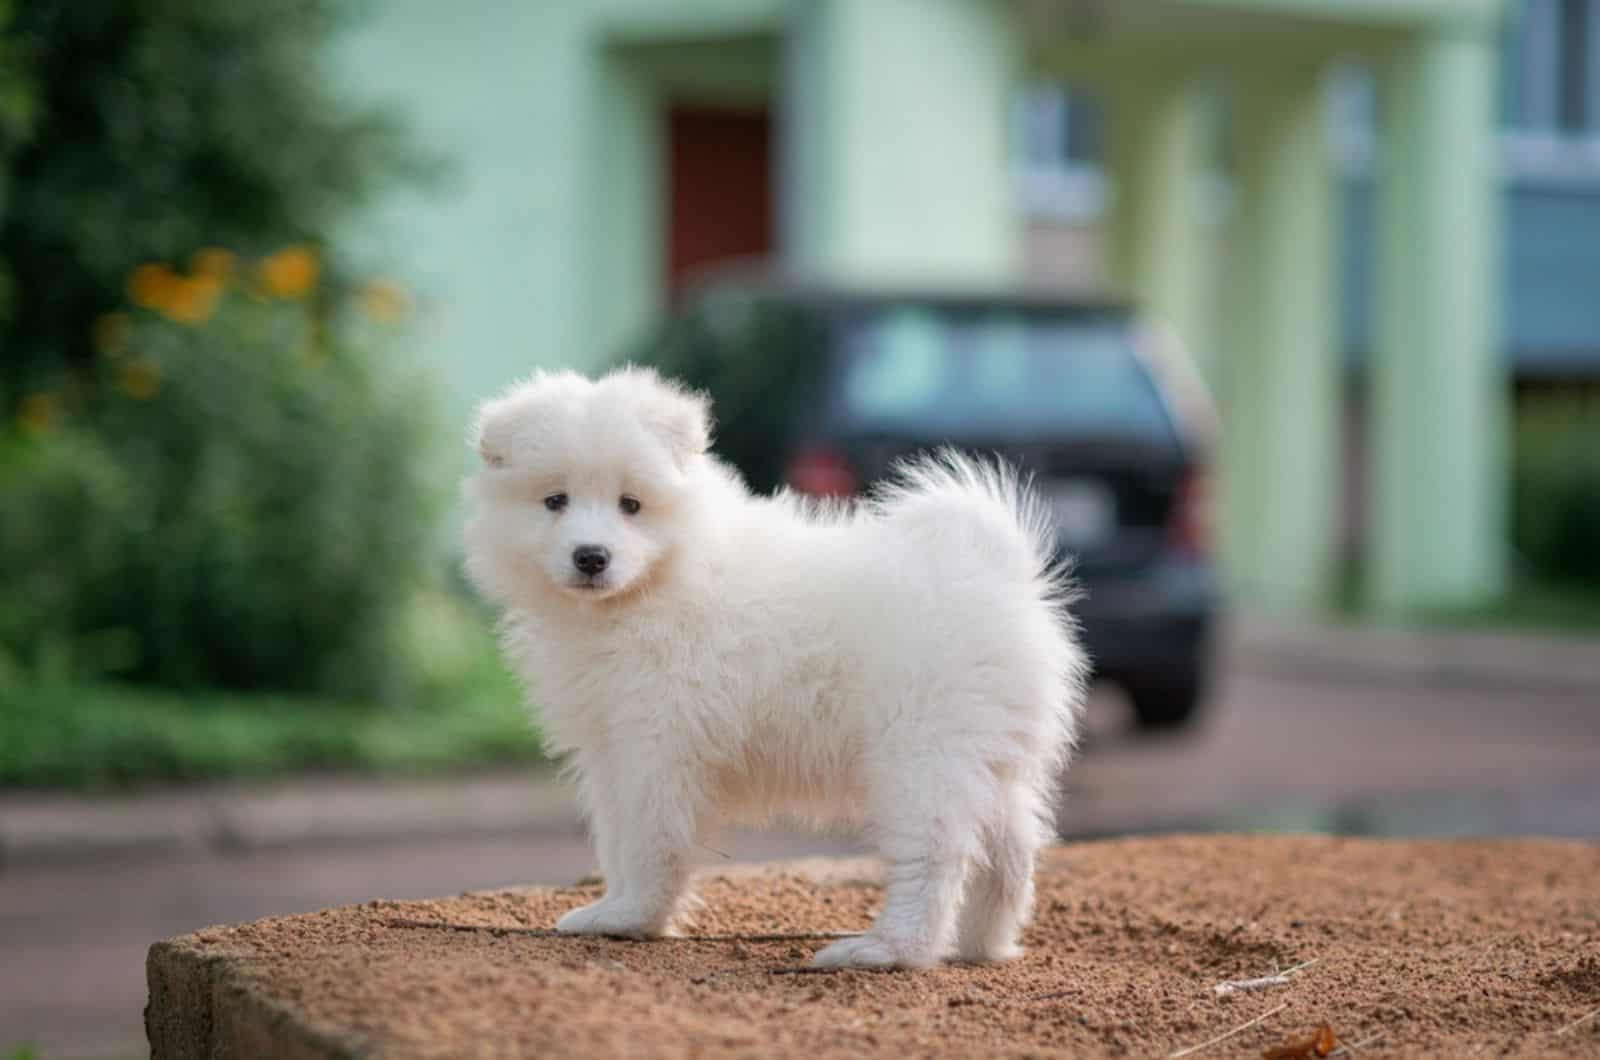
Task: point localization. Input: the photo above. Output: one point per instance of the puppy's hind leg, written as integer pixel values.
(927, 836)
(999, 898)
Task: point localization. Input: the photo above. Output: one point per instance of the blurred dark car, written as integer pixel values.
(822, 389)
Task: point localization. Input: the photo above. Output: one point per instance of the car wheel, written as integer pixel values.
(1165, 702)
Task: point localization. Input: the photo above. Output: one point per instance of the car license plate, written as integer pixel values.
(1085, 512)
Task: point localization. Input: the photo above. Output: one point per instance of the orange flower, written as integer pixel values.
(111, 333)
(290, 273)
(194, 299)
(212, 261)
(153, 285)
(38, 413)
(140, 379)
(385, 301)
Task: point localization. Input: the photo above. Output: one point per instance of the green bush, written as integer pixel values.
(66, 514)
(239, 503)
(1556, 489)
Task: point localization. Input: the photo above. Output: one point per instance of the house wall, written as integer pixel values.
(541, 245)
(489, 251)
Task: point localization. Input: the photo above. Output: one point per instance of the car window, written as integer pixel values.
(900, 369)
(921, 369)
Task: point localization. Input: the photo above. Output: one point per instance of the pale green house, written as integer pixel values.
(607, 147)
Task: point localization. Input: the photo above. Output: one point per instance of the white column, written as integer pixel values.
(1156, 246)
(1438, 534)
(1281, 406)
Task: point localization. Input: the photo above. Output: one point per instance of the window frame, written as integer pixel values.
(1536, 146)
(1051, 184)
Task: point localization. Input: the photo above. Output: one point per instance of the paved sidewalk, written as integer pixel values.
(40, 828)
(1367, 654)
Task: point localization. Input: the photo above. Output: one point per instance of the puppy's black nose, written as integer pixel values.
(591, 559)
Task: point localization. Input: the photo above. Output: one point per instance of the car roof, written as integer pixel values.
(764, 282)
(1176, 377)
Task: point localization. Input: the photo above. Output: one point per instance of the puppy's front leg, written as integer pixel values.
(643, 826)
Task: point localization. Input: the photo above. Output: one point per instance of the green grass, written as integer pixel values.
(87, 736)
(466, 711)
(1530, 605)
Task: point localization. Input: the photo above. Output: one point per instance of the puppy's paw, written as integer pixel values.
(610, 917)
(867, 951)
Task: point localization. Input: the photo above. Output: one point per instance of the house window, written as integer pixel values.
(1553, 90)
(1575, 67)
(1062, 126)
(1060, 137)
(1351, 115)
(1554, 76)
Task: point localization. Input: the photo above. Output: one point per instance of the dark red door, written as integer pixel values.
(719, 188)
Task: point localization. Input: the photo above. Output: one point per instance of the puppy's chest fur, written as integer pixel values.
(700, 681)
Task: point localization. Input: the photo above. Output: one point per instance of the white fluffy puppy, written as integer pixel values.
(701, 654)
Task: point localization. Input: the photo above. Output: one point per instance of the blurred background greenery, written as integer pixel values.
(219, 532)
(1556, 489)
(1554, 581)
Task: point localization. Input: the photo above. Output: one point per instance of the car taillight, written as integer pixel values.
(822, 473)
(1189, 530)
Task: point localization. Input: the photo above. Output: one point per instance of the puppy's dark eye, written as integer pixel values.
(629, 505)
(556, 501)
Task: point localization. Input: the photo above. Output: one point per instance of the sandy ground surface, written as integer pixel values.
(1421, 948)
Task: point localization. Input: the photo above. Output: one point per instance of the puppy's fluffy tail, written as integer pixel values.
(956, 490)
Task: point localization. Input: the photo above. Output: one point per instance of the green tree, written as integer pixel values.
(156, 128)
(16, 119)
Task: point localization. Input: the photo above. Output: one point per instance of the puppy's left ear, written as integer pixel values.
(485, 436)
(682, 418)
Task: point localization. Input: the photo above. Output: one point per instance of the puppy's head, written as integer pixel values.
(582, 487)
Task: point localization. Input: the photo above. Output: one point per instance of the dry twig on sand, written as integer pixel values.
(1229, 1034)
(1575, 1024)
(1239, 986)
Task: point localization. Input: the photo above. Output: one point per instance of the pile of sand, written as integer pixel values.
(1420, 948)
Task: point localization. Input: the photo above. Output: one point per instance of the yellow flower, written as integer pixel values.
(194, 298)
(153, 285)
(290, 273)
(38, 413)
(111, 333)
(212, 261)
(140, 379)
(385, 301)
